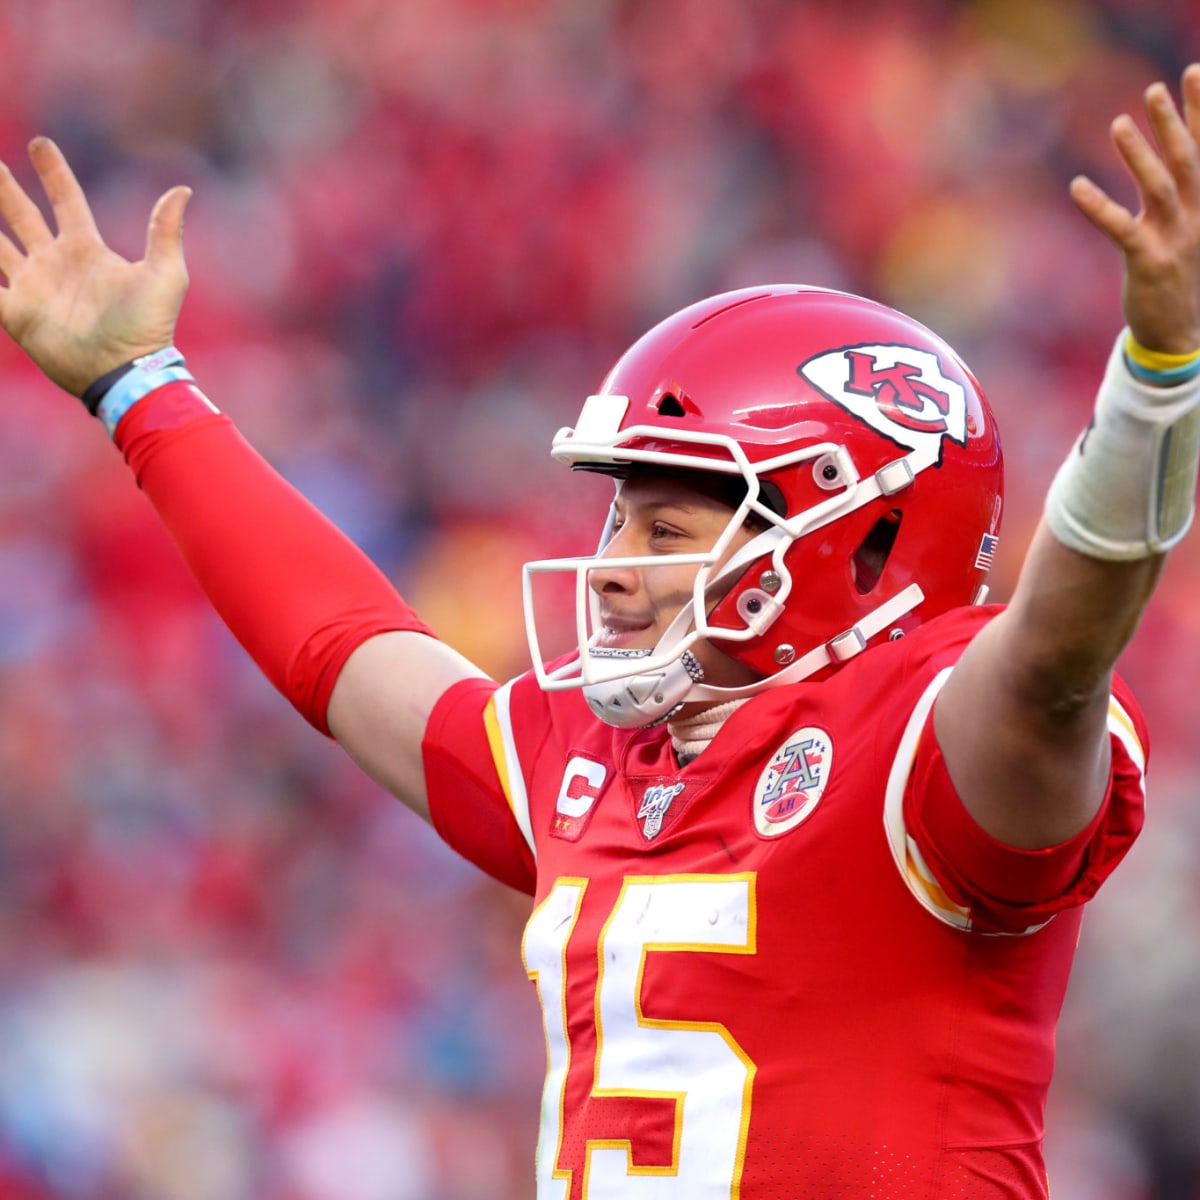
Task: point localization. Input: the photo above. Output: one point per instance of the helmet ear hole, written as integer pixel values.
(868, 561)
(772, 496)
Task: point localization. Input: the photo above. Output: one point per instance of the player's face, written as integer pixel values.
(661, 515)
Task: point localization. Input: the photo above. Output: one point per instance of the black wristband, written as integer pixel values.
(98, 388)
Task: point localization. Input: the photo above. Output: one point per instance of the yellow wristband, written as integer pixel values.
(1156, 360)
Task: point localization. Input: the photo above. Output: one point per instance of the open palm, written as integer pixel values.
(74, 306)
(1161, 243)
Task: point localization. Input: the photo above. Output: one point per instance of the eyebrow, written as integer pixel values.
(654, 506)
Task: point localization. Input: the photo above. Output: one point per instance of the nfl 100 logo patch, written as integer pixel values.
(655, 802)
(793, 781)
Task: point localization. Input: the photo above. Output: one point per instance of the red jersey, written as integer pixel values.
(793, 968)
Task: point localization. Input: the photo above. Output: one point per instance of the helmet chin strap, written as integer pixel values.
(639, 701)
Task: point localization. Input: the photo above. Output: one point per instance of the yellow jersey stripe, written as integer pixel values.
(497, 721)
(496, 741)
(1121, 724)
(919, 875)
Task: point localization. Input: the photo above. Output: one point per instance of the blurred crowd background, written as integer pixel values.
(230, 969)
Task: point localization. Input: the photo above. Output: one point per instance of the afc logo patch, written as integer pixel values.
(793, 781)
(900, 391)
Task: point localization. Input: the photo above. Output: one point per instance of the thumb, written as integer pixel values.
(164, 235)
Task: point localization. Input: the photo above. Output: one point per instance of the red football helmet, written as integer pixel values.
(856, 436)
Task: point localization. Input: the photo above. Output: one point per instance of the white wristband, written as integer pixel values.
(1127, 489)
(145, 374)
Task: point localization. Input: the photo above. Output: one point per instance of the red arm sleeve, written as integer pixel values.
(294, 590)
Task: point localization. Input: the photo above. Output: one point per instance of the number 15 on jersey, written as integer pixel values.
(689, 1077)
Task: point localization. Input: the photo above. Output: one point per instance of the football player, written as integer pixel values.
(807, 826)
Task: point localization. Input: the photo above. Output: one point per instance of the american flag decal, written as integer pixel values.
(987, 551)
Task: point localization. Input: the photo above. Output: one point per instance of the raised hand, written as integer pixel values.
(74, 306)
(1161, 244)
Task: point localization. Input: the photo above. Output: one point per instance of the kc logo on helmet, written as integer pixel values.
(900, 391)
(793, 782)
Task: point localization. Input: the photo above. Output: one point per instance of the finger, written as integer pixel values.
(1155, 183)
(164, 235)
(1190, 88)
(1114, 220)
(71, 209)
(23, 216)
(10, 257)
(1175, 141)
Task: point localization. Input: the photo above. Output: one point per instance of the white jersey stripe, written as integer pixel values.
(518, 798)
(916, 874)
(1121, 724)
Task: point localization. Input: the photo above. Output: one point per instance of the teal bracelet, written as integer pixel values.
(166, 366)
(1163, 377)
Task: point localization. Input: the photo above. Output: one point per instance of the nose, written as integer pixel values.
(612, 580)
